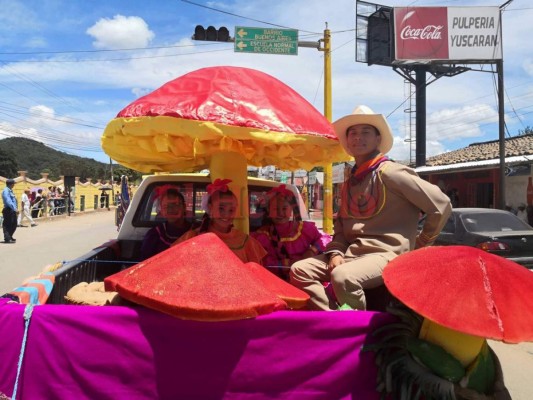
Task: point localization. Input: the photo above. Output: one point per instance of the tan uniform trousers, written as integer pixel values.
(347, 280)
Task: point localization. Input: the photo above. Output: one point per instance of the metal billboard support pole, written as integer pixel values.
(501, 129)
(420, 116)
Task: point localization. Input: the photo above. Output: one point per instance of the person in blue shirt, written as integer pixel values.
(9, 212)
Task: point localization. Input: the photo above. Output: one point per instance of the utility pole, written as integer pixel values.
(222, 35)
(500, 201)
(327, 212)
(111, 198)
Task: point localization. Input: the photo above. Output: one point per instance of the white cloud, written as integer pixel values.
(40, 111)
(139, 92)
(404, 150)
(453, 124)
(20, 130)
(528, 66)
(120, 32)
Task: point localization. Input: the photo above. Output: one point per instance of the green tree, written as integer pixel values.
(8, 165)
(69, 168)
(119, 170)
(526, 131)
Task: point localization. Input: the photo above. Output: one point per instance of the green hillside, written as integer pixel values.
(20, 154)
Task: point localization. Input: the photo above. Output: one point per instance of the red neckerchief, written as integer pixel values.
(360, 172)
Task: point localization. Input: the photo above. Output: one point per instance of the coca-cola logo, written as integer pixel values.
(427, 32)
(421, 33)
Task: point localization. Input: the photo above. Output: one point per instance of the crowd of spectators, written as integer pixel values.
(49, 202)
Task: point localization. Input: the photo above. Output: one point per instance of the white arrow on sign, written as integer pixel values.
(241, 45)
(242, 33)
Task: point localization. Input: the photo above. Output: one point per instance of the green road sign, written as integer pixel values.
(266, 40)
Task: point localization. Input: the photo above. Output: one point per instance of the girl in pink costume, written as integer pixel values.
(285, 236)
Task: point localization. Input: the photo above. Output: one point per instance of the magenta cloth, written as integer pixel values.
(113, 352)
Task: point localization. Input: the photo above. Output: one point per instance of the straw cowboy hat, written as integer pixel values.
(364, 115)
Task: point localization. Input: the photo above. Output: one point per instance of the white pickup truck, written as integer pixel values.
(142, 214)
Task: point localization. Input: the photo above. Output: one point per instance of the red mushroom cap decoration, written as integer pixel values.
(179, 126)
(467, 290)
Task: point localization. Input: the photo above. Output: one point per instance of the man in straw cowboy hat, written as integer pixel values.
(378, 217)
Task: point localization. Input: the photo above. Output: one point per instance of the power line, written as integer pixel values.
(116, 59)
(32, 53)
(39, 139)
(69, 121)
(42, 134)
(38, 86)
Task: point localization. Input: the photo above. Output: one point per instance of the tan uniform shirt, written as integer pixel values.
(380, 214)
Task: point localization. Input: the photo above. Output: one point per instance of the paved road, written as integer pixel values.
(61, 239)
(66, 238)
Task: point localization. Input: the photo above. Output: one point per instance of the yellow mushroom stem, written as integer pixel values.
(462, 346)
(232, 165)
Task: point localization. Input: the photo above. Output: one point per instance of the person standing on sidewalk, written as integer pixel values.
(378, 218)
(25, 209)
(9, 212)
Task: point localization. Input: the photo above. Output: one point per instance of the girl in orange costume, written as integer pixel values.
(218, 219)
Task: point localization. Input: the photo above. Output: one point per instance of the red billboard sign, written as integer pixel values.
(447, 33)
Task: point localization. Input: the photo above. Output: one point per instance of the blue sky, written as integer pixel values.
(68, 67)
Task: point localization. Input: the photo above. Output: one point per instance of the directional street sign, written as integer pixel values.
(266, 40)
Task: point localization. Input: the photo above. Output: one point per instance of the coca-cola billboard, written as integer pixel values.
(447, 33)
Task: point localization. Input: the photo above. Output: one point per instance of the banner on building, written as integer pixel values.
(447, 33)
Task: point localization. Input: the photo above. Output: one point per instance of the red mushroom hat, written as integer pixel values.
(467, 290)
(199, 279)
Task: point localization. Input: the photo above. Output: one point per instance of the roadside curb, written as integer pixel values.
(49, 219)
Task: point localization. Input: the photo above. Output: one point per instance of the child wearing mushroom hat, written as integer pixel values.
(378, 217)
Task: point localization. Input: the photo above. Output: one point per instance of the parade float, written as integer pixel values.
(194, 322)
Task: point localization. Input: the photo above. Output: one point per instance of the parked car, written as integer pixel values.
(495, 231)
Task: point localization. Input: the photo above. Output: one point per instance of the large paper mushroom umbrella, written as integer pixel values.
(467, 290)
(222, 118)
(465, 296)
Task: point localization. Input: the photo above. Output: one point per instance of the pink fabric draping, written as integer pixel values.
(115, 352)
